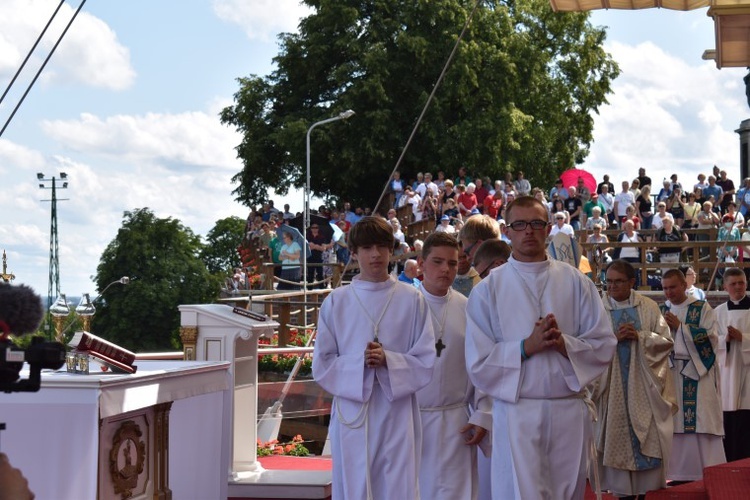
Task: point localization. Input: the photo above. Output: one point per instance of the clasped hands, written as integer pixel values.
(672, 320)
(626, 331)
(734, 334)
(545, 335)
(374, 355)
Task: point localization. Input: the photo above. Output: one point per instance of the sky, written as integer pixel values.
(128, 108)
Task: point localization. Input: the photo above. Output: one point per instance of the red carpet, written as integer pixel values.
(282, 462)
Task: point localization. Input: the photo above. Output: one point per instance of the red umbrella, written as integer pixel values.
(570, 178)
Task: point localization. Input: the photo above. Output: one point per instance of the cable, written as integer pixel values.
(33, 48)
(39, 72)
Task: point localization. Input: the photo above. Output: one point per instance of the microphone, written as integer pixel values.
(21, 309)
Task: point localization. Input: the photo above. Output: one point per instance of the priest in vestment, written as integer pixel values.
(698, 425)
(635, 397)
(374, 350)
(733, 354)
(537, 334)
(455, 417)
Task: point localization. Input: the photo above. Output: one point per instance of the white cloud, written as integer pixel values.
(262, 19)
(193, 138)
(667, 116)
(89, 53)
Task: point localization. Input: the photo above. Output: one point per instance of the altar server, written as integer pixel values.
(537, 334)
(374, 350)
(455, 417)
(733, 319)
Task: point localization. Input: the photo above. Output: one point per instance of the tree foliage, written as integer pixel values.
(220, 250)
(519, 94)
(161, 257)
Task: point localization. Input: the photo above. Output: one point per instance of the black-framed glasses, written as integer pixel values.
(467, 250)
(521, 225)
(617, 282)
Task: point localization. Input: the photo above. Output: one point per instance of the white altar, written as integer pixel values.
(163, 432)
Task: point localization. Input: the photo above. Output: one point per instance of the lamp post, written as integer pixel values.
(306, 212)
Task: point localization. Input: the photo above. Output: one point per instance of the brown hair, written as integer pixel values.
(370, 230)
(479, 227)
(526, 202)
(438, 239)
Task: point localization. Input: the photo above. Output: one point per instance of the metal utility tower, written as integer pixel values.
(53, 288)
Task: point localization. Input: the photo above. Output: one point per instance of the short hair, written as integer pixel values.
(448, 183)
(438, 239)
(734, 271)
(479, 227)
(492, 249)
(674, 273)
(624, 267)
(596, 209)
(523, 202)
(370, 230)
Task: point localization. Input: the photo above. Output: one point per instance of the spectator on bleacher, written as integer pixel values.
(691, 209)
(630, 254)
(607, 200)
(560, 226)
(665, 191)
(266, 237)
(670, 233)
(448, 193)
(635, 188)
(522, 185)
(707, 219)
(498, 187)
(623, 200)
(449, 209)
(319, 244)
(643, 207)
(539, 195)
(660, 215)
(631, 216)
(675, 205)
(728, 232)
(467, 200)
(583, 192)
(558, 191)
(596, 219)
(391, 214)
(643, 179)
(605, 182)
(596, 238)
(727, 190)
(743, 197)
(701, 185)
(690, 277)
(558, 206)
(427, 185)
(341, 248)
(588, 209)
(342, 218)
(467, 277)
(286, 215)
(289, 255)
(410, 273)
(739, 219)
(440, 181)
(396, 186)
(428, 207)
(413, 199)
(480, 192)
(463, 177)
(266, 215)
(675, 182)
(420, 179)
(397, 233)
(714, 190)
(493, 205)
(445, 225)
(574, 205)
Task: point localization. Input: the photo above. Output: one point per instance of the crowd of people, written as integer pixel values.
(489, 369)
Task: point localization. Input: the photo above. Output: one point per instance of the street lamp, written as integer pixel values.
(306, 212)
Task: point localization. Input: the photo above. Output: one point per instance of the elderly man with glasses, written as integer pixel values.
(536, 335)
(636, 396)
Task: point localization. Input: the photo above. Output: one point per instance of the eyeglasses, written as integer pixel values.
(558, 218)
(521, 225)
(617, 282)
(467, 250)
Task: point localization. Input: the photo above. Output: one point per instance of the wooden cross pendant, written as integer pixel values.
(439, 346)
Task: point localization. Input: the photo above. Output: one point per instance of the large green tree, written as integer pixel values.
(519, 94)
(222, 241)
(161, 257)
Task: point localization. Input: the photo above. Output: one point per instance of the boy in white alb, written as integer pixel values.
(374, 350)
(455, 417)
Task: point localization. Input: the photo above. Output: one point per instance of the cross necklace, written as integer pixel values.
(526, 287)
(439, 345)
(375, 325)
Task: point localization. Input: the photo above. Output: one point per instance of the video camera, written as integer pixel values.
(21, 312)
